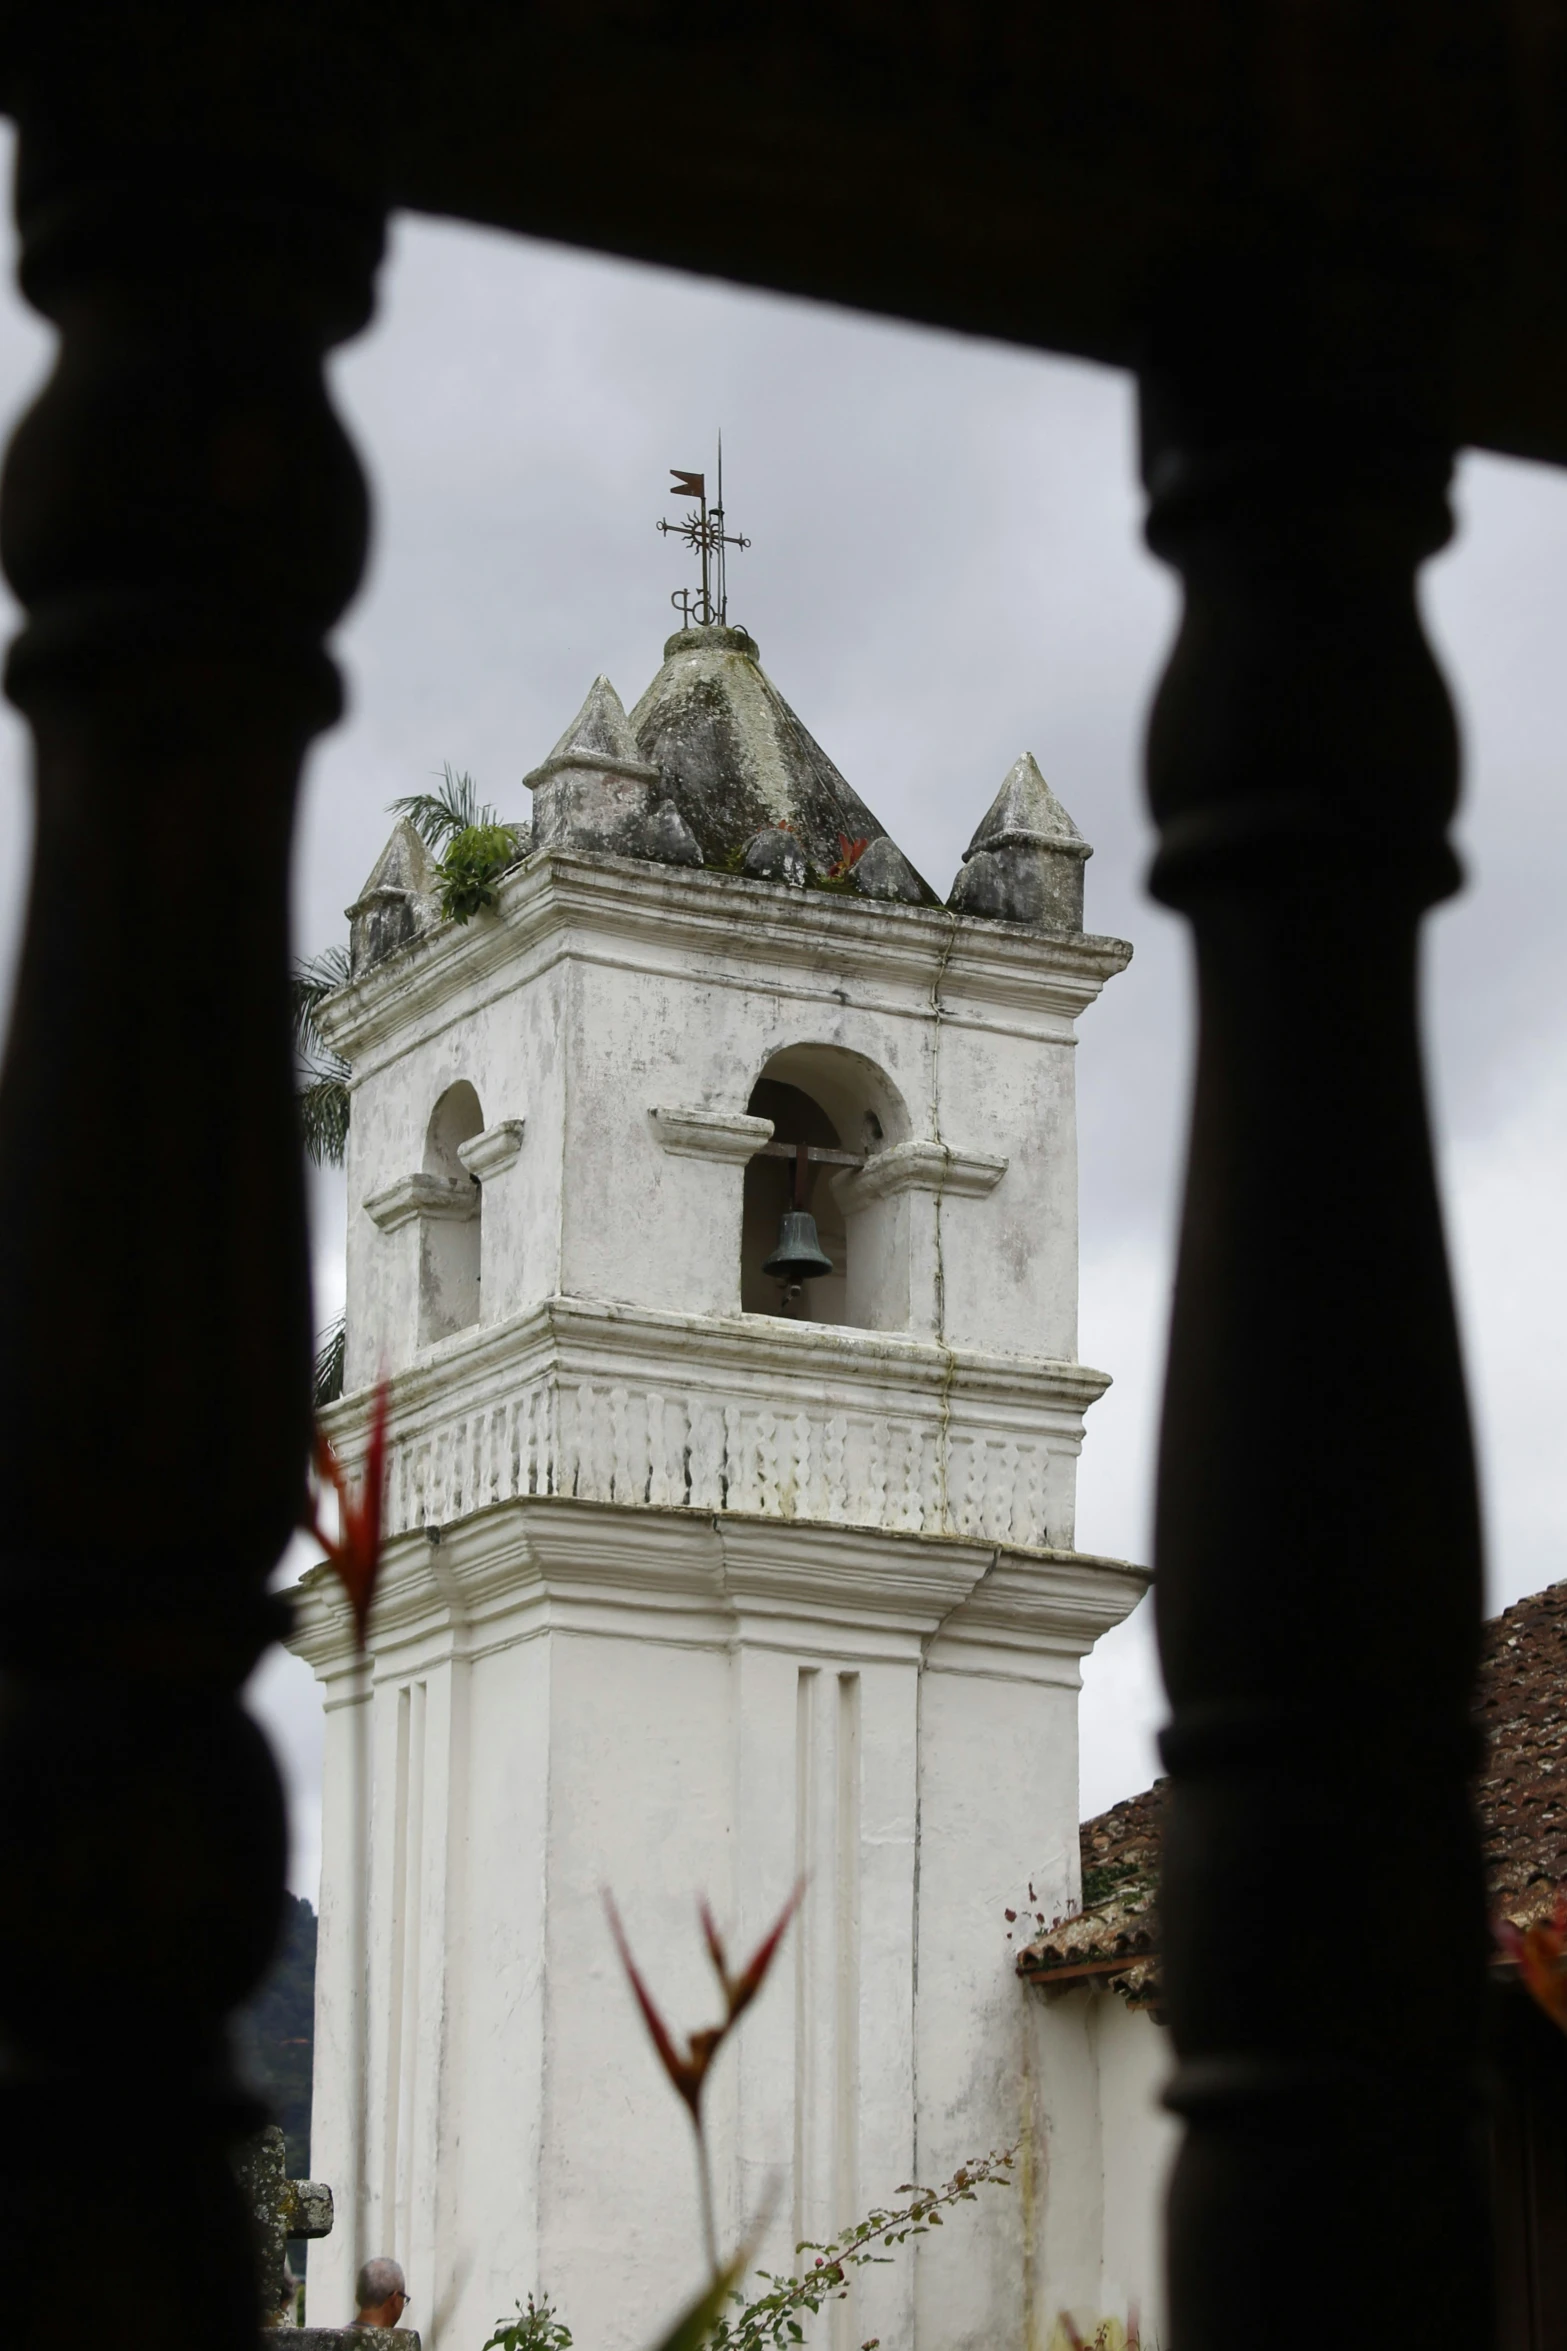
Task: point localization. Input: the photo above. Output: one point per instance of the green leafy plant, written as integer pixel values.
(773, 2317)
(1101, 1880)
(535, 2329)
(694, 2327)
(771, 2320)
(320, 1074)
(438, 817)
(473, 863)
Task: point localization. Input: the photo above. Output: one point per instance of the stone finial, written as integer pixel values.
(774, 855)
(666, 838)
(883, 871)
(600, 731)
(594, 791)
(397, 902)
(1025, 862)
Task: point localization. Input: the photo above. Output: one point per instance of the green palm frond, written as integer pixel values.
(321, 1075)
(438, 817)
(315, 977)
(327, 1380)
(323, 1113)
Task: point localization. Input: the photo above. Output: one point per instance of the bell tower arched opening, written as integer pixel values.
(772, 1187)
(450, 1251)
(830, 1110)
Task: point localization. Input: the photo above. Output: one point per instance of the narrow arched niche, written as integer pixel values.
(836, 1100)
(451, 1244)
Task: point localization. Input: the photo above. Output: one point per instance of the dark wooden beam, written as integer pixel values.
(183, 520)
(1031, 169)
(1318, 1572)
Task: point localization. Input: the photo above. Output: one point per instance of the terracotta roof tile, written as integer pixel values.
(1521, 1794)
(1120, 1917)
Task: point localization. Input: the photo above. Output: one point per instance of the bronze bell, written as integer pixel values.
(799, 1256)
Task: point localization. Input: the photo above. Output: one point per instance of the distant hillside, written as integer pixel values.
(276, 2033)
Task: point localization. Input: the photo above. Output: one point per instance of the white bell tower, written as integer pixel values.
(698, 1580)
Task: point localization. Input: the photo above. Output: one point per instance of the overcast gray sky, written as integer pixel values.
(946, 570)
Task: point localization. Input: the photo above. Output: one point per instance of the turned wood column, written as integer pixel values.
(183, 520)
(1317, 1548)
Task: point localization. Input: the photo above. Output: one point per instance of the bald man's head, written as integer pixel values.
(380, 2293)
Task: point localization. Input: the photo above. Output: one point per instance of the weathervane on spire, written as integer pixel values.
(703, 531)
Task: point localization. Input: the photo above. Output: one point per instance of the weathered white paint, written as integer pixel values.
(606, 990)
(1097, 2156)
(756, 1414)
(679, 1599)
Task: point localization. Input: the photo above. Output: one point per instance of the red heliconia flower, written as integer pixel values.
(1540, 1953)
(355, 1551)
(740, 1990)
(849, 855)
(688, 2068)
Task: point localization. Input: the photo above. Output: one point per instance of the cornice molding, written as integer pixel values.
(434, 1197)
(1037, 1605)
(491, 1153)
(595, 763)
(729, 1137)
(918, 1166)
(552, 1564)
(844, 1576)
(461, 1372)
(671, 916)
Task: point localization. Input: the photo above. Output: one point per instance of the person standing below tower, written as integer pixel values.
(381, 2294)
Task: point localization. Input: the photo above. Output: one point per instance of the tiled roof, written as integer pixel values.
(1521, 1795)
(1119, 1920)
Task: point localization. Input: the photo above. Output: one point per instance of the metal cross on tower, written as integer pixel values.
(703, 530)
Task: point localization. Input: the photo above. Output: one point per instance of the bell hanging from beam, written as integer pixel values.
(799, 1256)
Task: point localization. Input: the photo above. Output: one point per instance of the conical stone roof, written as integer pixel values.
(734, 757)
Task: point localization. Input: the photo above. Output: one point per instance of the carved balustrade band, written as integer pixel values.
(1318, 1584)
(183, 520)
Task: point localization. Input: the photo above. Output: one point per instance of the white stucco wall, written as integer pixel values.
(606, 988)
(1099, 2154)
(569, 1696)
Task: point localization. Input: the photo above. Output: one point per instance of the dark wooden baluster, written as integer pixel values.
(183, 519)
(1317, 1545)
